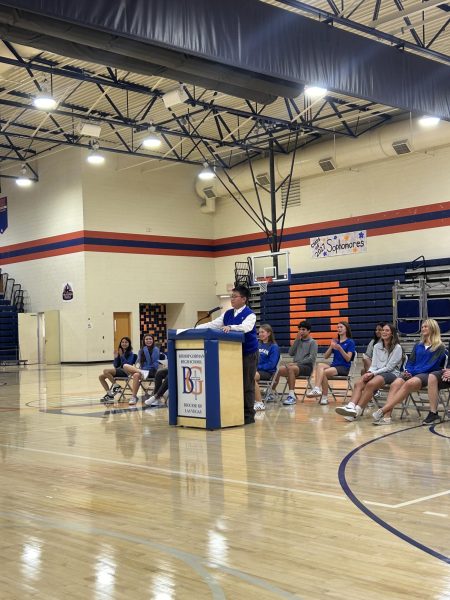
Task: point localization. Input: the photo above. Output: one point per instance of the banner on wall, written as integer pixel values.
(337, 244)
(3, 214)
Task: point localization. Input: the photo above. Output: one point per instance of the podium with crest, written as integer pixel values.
(205, 378)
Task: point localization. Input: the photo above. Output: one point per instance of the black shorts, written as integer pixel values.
(443, 385)
(120, 372)
(341, 371)
(265, 375)
(304, 370)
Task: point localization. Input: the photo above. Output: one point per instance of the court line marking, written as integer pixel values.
(417, 500)
(197, 563)
(433, 514)
(187, 475)
(184, 474)
(363, 508)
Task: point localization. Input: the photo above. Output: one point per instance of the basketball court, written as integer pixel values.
(116, 504)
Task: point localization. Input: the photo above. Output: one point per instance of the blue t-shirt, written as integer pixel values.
(347, 345)
(269, 355)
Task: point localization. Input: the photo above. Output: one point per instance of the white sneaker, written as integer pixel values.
(158, 403)
(377, 415)
(349, 410)
(316, 391)
(149, 401)
(291, 399)
(132, 401)
(323, 400)
(259, 406)
(383, 421)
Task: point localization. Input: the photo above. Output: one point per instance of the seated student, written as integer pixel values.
(123, 356)
(148, 358)
(161, 387)
(269, 355)
(426, 356)
(367, 356)
(437, 380)
(385, 368)
(343, 349)
(304, 351)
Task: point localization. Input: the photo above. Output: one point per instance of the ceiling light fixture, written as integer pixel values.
(429, 121)
(94, 157)
(206, 174)
(152, 140)
(315, 93)
(44, 99)
(23, 180)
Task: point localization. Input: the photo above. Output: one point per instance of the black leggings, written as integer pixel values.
(161, 382)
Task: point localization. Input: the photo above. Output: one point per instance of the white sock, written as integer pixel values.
(358, 409)
(292, 392)
(351, 404)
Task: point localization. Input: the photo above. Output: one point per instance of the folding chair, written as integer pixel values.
(266, 385)
(125, 383)
(341, 392)
(303, 390)
(421, 402)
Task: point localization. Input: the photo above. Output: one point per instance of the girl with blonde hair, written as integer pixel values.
(427, 355)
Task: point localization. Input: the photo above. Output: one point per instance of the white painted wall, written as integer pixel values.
(117, 282)
(411, 180)
(160, 202)
(52, 207)
(71, 196)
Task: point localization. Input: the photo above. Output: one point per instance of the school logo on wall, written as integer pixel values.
(353, 242)
(67, 293)
(3, 214)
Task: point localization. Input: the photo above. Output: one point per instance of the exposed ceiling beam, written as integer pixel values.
(407, 12)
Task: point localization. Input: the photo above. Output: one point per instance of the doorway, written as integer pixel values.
(122, 326)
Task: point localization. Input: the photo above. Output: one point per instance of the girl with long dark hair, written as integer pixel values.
(343, 350)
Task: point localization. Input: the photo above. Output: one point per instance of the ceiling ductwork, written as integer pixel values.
(380, 144)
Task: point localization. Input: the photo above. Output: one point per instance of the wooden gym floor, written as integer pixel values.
(116, 504)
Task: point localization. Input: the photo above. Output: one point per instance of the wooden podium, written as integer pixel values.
(205, 378)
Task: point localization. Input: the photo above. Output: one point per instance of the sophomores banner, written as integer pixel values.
(336, 244)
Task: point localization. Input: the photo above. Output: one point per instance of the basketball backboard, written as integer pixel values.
(271, 267)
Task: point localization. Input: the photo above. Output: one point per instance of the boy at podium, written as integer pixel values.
(241, 318)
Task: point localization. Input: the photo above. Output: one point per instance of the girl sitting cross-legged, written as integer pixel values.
(148, 359)
(384, 369)
(427, 355)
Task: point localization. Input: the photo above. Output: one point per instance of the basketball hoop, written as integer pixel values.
(263, 282)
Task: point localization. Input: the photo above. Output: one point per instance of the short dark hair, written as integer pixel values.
(305, 325)
(242, 291)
